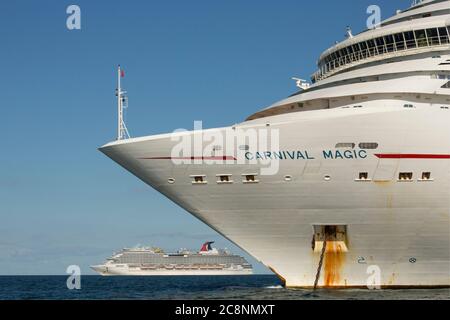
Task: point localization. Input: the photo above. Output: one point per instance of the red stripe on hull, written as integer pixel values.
(226, 158)
(413, 156)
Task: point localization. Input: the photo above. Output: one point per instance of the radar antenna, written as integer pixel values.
(349, 33)
(122, 103)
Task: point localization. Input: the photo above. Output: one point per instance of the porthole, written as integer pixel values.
(224, 179)
(288, 178)
(200, 179)
(368, 145)
(171, 181)
(405, 176)
(345, 145)
(426, 176)
(327, 178)
(363, 176)
(250, 178)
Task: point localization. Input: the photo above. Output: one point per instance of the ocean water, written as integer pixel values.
(257, 287)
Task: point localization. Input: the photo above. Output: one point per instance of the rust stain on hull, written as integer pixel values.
(334, 260)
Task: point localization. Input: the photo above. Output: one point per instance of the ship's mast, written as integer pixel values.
(122, 131)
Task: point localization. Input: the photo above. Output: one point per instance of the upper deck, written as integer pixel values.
(424, 27)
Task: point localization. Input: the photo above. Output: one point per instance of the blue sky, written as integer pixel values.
(61, 201)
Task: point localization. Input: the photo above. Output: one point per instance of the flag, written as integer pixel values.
(122, 73)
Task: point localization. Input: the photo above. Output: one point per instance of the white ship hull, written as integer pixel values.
(389, 222)
(125, 271)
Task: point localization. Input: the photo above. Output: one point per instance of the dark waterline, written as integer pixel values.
(257, 287)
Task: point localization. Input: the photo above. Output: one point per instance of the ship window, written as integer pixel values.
(224, 179)
(363, 45)
(199, 179)
(410, 40)
(446, 86)
(433, 37)
(405, 176)
(250, 178)
(244, 148)
(426, 176)
(421, 38)
(363, 176)
(408, 106)
(399, 41)
(344, 145)
(380, 45)
(368, 145)
(443, 36)
(389, 40)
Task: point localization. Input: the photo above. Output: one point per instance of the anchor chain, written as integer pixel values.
(319, 268)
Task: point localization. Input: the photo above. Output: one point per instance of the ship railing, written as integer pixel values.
(378, 53)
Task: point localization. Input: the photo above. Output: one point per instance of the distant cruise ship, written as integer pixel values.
(154, 262)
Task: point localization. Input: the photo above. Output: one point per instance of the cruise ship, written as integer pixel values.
(348, 183)
(155, 262)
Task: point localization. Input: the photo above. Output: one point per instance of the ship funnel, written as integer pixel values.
(206, 246)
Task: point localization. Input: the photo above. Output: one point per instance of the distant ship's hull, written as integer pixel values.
(125, 271)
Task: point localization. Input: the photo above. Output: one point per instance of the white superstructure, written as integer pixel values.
(364, 164)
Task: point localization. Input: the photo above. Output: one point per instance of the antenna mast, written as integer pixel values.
(122, 131)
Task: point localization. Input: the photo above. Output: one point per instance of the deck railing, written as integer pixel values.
(351, 59)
